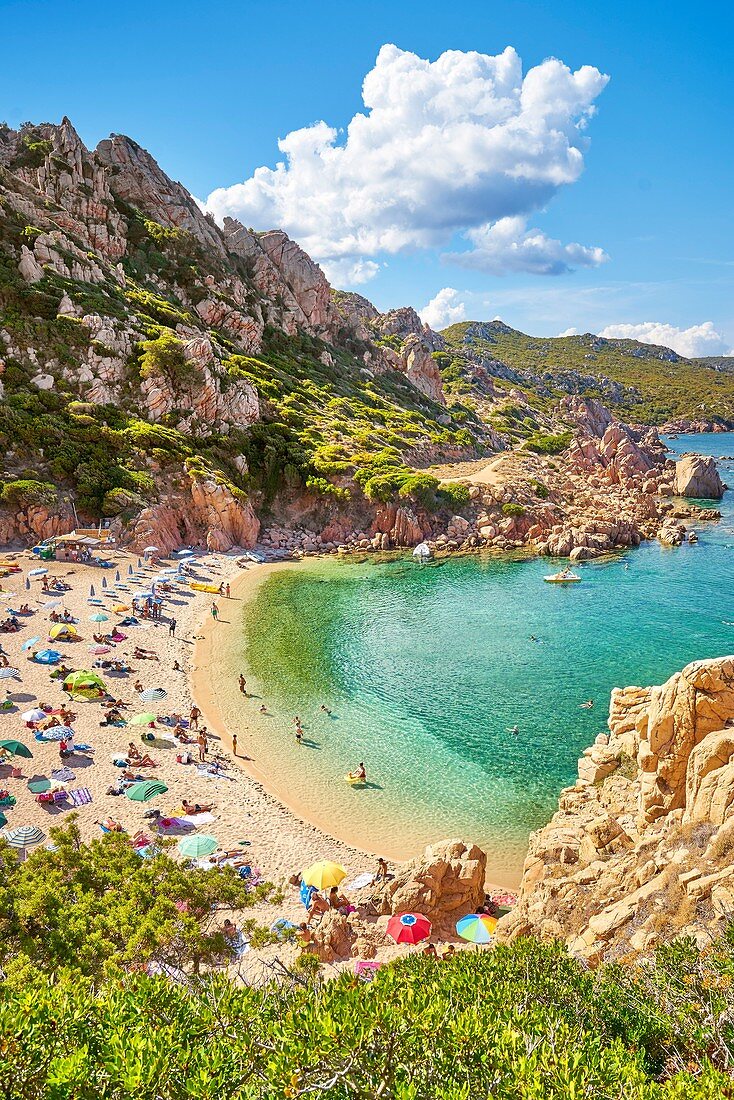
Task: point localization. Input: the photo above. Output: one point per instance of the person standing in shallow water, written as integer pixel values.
(215, 611)
(234, 744)
(243, 685)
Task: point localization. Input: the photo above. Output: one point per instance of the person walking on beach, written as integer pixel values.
(215, 611)
(172, 627)
(194, 716)
(226, 589)
(234, 744)
(299, 734)
(203, 744)
(243, 685)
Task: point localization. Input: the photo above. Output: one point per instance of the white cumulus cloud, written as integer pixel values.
(568, 332)
(508, 246)
(442, 147)
(697, 340)
(443, 310)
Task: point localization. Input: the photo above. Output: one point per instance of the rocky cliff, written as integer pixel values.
(640, 849)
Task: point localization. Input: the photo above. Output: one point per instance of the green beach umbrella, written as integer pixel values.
(142, 719)
(99, 617)
(197, 846)
(143, 792)
(16, 748)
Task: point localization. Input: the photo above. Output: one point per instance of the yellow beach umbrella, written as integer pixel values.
(121, 607)
(324, 874)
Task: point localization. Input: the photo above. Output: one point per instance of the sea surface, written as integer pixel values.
(428, 669)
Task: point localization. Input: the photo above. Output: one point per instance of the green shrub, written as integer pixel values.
(455, 496)
(547, 444)
(22, 494)
(165, 358)
(512, 509)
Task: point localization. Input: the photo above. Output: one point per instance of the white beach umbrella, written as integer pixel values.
(34, 715)
(8, 673)
(37, 572)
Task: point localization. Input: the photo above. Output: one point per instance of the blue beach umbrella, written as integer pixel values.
(47, 657)
(29, 644)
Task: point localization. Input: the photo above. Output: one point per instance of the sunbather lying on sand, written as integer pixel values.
(196, 807)
(145, 654)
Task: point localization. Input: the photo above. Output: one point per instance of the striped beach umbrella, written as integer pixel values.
(57, 733)
(24, 836)
(143, 792)
(152, 695)
(197, 846)
(9, 673)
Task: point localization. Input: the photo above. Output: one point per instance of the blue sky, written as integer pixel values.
(210, 89)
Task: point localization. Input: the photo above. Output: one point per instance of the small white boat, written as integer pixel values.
(566, 576)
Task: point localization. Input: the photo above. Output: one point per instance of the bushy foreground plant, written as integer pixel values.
(524, 1022)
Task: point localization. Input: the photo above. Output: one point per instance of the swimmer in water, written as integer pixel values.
(514, 730)
(587, 705)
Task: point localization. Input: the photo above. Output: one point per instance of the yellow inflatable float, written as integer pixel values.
(199, 586)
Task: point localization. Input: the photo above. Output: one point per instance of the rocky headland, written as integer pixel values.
(640, 849)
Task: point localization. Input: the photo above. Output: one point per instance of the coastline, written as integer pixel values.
(214, 690)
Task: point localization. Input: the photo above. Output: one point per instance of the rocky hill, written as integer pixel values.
(640, 849)
(186, 378)
(204, 384)
(641, 382)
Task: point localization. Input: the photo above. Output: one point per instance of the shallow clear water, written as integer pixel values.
(425, 669)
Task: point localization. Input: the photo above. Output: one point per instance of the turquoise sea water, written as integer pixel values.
(425, 668)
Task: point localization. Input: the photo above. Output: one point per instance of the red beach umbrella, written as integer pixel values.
(409, 927)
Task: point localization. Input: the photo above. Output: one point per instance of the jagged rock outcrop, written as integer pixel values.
(210, 515)
(640, 848)
(444, 884)
(138, 179)
(697, 476)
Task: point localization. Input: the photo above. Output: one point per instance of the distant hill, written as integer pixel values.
(650, 384)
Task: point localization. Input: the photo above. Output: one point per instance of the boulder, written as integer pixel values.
(697, 476)
(444, 884)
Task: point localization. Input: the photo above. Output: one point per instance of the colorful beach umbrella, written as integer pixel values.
(99, 617)
(47, 657)
(16, 748)
(324, 874)
(143, 792)
(24, 836)
(152, 695)
(477, 928)
(197, 846)
(29, 644)
(142, 719)
(34, 715)
(408, 927)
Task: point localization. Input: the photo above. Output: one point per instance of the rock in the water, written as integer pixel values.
(697, 476)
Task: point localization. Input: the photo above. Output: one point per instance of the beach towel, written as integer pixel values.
(306, 893)
(169, 825)
(198, 819)
(358, 883)
(82, 796)
(63, 775)
(39, 786)
(84, 748)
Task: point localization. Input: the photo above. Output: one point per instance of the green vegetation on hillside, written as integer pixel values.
(667, 385)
